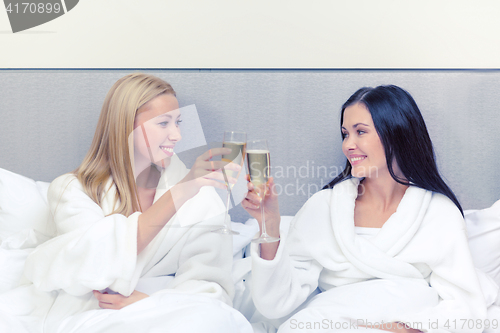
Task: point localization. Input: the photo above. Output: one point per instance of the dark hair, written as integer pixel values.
(403, 134)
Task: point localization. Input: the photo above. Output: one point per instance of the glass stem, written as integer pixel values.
(263, 217)
(227, 209)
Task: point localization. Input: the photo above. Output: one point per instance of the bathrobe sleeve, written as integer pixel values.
(205, 257)
(91, 250)
(281, 285)
(444, 248)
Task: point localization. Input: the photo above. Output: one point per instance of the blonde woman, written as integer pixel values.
(134, 251)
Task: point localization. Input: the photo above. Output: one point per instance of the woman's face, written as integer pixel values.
(362, 145)
(156, 131)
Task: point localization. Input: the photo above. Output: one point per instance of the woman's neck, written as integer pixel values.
(382, 192)
(148, 178)
(144, 169)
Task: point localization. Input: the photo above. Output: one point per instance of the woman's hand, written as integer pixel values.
(117, 301)
(205, 172)
(253, 201)
(252, 204)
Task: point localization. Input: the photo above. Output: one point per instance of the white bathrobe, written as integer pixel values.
(186, 269)
(417, 269)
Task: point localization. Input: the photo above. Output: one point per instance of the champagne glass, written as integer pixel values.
(237, 141)
(259, 164)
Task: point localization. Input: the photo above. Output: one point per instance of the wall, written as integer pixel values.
(261, 34)
(48, 120)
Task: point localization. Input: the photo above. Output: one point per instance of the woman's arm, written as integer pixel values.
(204, 257)
(94, 251)
(203, 173)
(282, 284)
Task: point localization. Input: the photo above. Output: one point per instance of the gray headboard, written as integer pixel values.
(48, 118)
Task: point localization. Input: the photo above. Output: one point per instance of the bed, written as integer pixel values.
(25, 223)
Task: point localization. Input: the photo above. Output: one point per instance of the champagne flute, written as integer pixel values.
(259, 164)
(237, 142)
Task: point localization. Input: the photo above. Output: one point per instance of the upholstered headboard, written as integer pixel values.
(48, 118)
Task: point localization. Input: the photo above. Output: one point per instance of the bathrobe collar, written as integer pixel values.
(377, 255)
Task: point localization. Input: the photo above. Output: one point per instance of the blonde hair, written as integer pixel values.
(110, 154)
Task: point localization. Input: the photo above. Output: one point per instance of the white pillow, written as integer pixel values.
(24, 223)
(483, 228)
(23, 205)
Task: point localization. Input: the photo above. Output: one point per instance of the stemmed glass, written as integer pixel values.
(237, 141)
(259, 164)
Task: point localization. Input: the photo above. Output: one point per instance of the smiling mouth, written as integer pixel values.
(169, 150)
(356, 159)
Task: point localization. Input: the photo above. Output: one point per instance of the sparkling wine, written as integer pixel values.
(258, 163)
